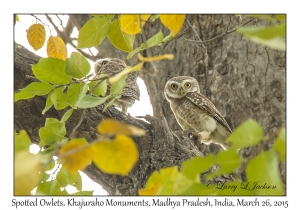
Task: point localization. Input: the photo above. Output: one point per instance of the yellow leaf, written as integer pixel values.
(127, 70)
(76, 155)
(17, 18)
(152, 190)
(172, 22)
(36, 36)
(113, 127)
(155, 58)
(27, 168)
(130, 24)
(56, 48)
(116, 156)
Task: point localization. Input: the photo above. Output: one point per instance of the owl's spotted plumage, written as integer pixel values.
(131, 92)
(193, 111)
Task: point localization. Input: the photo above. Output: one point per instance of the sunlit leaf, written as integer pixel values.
(117, 156)
(77, 65)
(152, 190)
(247, 134)
(126, 71)
(89, 101)
(130, 24)
(270, 36)
(280, 145)
(153, 17)
(181, 184)
(76, 92)
(155, 40)
(22, 141)
(114, 127)
(196, 165)
(67, 115)
(51, 70)
(36, 36)
(53, 131)
(49, 102)
(60, 100)
(93, 32)
(172, 22)
(33, 89)
(166, 177)
(75, 155)
(64, 177)
(120, 39)
(26, 173)
(50, 188)
(56, 48)
(155, 58)
(263, 171)
(118, 86)
(101, 89)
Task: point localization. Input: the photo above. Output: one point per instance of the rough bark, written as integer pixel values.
(243, 79)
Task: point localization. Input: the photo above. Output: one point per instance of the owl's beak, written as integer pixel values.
(181, 91)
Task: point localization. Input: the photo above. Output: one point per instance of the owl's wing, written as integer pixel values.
(205, 104)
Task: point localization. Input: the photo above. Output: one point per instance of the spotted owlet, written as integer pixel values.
(131, 92)
(193, 111)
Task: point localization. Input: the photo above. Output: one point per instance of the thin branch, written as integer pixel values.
(78, 124)
(59, 20)
(41, 22)
(197, 35)
(217, 37)
(67, 39)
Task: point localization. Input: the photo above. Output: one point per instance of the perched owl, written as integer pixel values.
(193, 111)
(131, 92)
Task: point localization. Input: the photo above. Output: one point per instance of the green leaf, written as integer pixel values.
(59, 99)
(22, 141)
(270, 36)
(228, 161)
(153, 17)
(196, 165)
(66, 116)
(166, 177)
(49, 102)
(263, 171)
(77, 65)
(33, 89)
(101, 89)
(111, 102)
(93, 32)
(51, 70)
(117, 87)
(84, 193)
(110, 16)
(280, 145)
(76, 92)
(155, 40)
(50, 188)
(120, 39)
(181, 184)
(89, 101)
(53, 131)
(64, 177)
(247, 134)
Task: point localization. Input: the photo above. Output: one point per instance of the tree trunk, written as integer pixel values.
(243, 79)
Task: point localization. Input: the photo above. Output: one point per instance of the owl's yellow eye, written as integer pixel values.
(187, 85)
(174, 86)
